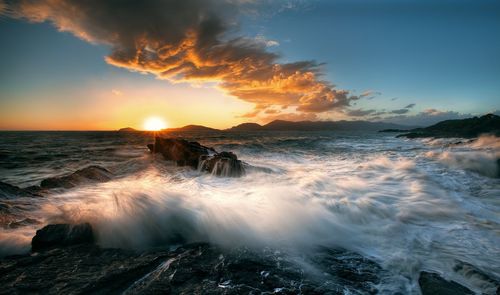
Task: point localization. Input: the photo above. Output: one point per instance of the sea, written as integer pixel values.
(410, 205)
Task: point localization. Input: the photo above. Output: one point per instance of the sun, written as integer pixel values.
(154, 124)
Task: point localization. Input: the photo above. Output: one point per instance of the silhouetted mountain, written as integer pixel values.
(471, 127)
(191, 128)
(127, 129)
(280, 125)
(246, 127)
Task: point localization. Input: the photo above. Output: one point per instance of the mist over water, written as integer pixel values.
(410, 205)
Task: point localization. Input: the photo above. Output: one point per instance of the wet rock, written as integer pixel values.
(85, 175)
(433, 284)
(193, 154)
(57, 235)
(198, 268)
(222, 164)
(181, 151)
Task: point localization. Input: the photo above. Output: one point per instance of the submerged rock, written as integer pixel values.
(57, 235)
(85, 175)
(433, 284)
(193, 154)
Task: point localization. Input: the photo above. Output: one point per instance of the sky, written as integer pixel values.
(103, 65)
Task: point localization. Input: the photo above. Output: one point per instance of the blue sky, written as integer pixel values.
(439, 55)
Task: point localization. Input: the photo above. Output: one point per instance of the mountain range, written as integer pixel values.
(281, 125)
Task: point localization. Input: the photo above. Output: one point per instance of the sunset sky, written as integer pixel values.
(101, 65)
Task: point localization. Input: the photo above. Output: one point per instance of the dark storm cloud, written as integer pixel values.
(188, 41)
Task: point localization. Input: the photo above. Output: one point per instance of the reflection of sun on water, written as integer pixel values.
(154, 124)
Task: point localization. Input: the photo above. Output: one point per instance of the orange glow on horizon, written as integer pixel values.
(154, 124)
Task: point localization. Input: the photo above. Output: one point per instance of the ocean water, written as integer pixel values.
(409, 205)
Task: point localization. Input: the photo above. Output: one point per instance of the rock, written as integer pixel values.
(198, 268)
(433, 284)
(222, 164)
(181, 151)
(193, 154)
(85, 175)
(57, 235)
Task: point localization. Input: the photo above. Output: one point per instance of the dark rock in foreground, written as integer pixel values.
(195, 155)
(472, 127)
(58, 235)
(85, 175)
(73, 265)
(433, 284)
(69, 263)
(191, 269)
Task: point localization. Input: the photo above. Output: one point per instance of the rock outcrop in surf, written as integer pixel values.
(195, 155)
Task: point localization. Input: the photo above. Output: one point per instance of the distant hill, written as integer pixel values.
(471, 127)
(281, 125)
(246, 127)
(192, 128)
(127, 129)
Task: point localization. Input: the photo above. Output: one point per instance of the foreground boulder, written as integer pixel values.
(197, 268)
(195, 155)
(85, 175)
(58, 235)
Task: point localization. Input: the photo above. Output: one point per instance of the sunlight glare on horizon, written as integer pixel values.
(154, 124)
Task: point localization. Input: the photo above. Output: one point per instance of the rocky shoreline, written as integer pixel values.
(65, 259)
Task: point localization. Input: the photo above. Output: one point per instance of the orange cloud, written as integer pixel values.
(186, 41)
